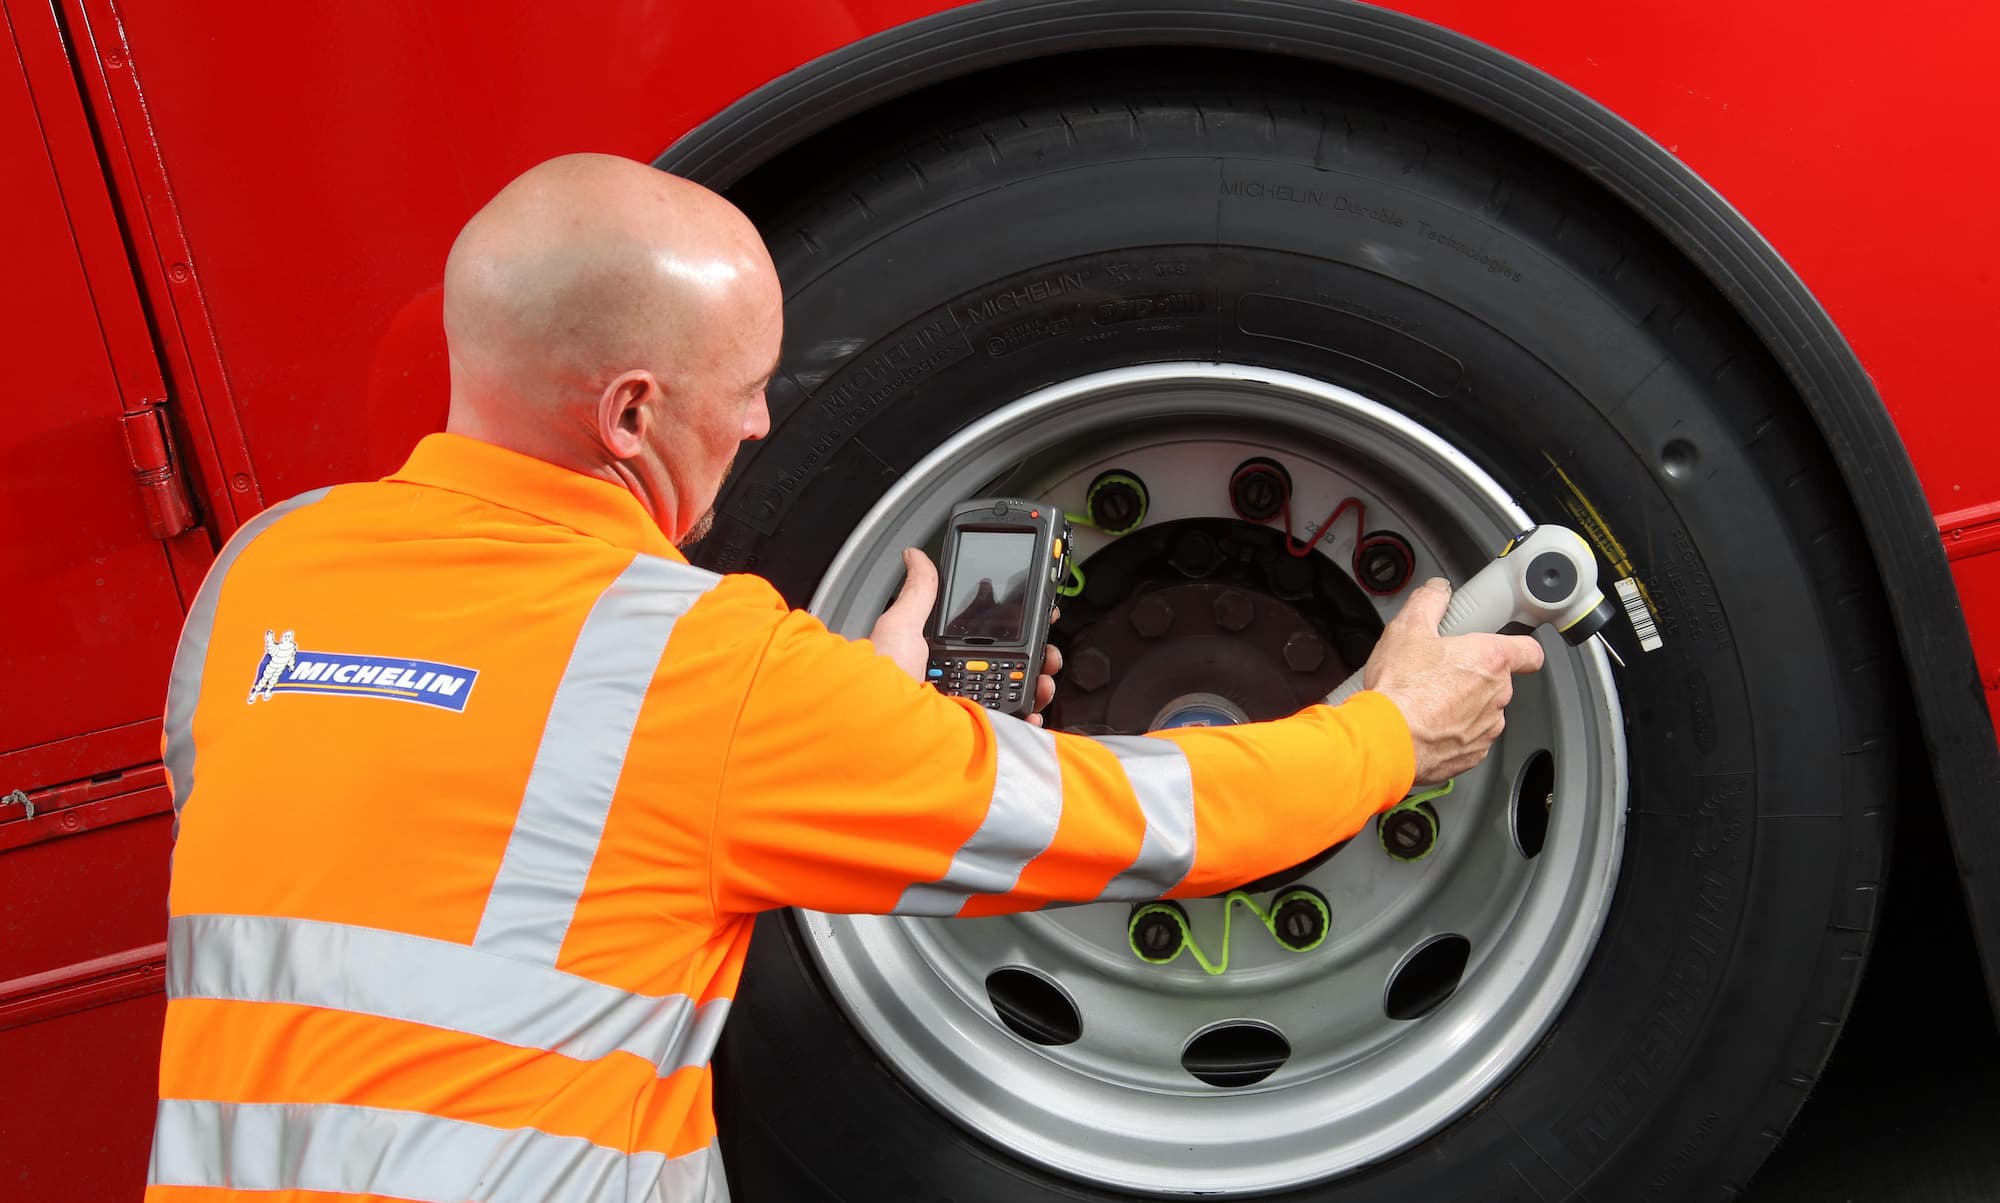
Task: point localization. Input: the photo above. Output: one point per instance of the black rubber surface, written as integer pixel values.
(1909, 1107)
(1459, 276)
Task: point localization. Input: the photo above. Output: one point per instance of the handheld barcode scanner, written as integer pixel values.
(1547, 575)
(1003, 559)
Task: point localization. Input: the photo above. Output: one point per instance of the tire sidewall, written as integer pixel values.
(1481, 327)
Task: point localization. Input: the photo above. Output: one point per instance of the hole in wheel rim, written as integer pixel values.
(1427, 977)
(1534, 796)
(1033, 1007)
(1236, 1054)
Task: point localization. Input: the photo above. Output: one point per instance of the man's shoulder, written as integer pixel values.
(741, 595)
(736, 619)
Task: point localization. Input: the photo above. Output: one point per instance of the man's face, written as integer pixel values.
(724, 405)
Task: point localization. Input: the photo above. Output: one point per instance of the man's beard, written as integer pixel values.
(706, 522)
(699, 530)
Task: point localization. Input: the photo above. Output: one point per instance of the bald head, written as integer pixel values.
(595, 295)
(587, 266)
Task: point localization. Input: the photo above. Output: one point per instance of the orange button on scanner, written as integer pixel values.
(976, 666)
(1016, 676)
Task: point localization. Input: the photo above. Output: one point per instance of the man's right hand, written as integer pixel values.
(1451, 689)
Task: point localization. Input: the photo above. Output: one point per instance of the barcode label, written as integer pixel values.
(1642, 618)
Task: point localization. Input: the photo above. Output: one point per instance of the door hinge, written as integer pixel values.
(149, 445)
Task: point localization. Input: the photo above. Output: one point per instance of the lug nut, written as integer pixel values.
(1290, 579)
(1233, 611)
(1305, 652)
(1156, 931)
(1116, 503)
(1090, 671)
(1195, 555)
(1152, 615)
(1409, 832)
(1258, 489)
(1383, 562)
(1300, 918)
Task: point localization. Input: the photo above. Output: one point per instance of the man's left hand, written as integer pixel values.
(899, 633)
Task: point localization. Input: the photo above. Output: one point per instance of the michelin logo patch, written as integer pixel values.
(288, 668)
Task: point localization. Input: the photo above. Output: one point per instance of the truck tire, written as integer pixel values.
(1365, 239)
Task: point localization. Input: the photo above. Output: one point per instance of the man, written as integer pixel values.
(458, 914)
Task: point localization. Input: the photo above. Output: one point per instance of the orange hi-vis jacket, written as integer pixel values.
(479, 787)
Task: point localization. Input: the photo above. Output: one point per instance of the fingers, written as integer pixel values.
(906, 615)
(1425, 608)
(899, 632)
(1524, 654)
(1045, 684)
(920, 582)
(1501, 655)
(1456, 766)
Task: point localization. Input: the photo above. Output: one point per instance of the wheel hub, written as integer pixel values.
(1211, 608)
(1198, 710)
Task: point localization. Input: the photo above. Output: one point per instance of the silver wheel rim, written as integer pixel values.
(1116, 1108)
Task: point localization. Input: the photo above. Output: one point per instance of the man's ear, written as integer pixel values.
(626, 412)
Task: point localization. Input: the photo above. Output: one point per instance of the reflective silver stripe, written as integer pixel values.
(582, 753)
(408, 1155)
(1158, 771)
(184, 686)
(1019, 826)
(252, 958)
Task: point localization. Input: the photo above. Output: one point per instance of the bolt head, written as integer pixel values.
(1299, 923)
(1384, 569)
(1152, 615)
(1233, 611)
(1116, 505)
(1260, 498)
(1290, 579)
(1408, 834)
(1305, 652)
(1195, 555)
(1156, 935)
(1089, 670)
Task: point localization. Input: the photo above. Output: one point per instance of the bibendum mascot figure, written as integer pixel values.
(279, 653)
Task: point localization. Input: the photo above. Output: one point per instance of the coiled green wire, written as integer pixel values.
(1230, 901)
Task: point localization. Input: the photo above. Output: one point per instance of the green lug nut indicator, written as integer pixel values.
(1409, 832)
(1298, 919)
(1409, 829)
(1116, 503)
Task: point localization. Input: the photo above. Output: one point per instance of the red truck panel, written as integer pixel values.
(323, 157)
(295, 174)
(83, 569)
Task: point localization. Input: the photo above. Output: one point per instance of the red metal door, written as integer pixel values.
(101, 544)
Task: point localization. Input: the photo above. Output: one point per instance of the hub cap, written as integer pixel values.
(1049, 1033)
